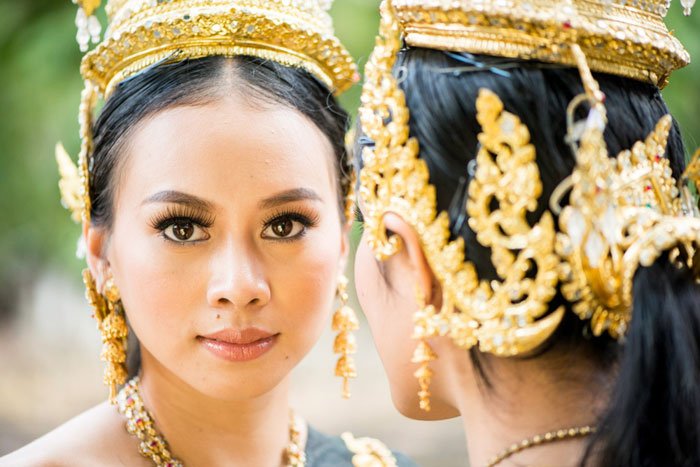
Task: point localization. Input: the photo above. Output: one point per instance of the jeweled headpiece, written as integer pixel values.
(296, 33)
(622, 212)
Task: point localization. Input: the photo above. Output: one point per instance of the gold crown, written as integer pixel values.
(141, 33)
(620, 37)
(623, 212)
(296, 33)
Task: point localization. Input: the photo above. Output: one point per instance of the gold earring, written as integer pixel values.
(109, 314)
(424, 354)
(344, 322)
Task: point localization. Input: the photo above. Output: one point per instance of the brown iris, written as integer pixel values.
(282, 228)
(183, 230)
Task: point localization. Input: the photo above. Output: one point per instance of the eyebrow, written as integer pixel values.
(289, 196)
(178, 197)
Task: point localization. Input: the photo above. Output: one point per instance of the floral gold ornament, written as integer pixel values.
(344, 323)
(111, 322)
(622, 213)
(505, 319)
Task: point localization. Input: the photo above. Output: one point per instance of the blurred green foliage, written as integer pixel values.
(39, 93)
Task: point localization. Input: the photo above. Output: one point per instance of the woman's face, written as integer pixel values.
(388, 313)
(226, 242)
(387, 292)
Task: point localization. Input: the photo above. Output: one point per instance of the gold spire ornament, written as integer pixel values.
(622, 213)
(111, 322)
(344, 323)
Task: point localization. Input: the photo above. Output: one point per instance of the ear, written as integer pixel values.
(96, 253)
(344, 244)
(411, 259)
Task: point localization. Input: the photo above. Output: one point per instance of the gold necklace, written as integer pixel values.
(537, 440)
(153, 446)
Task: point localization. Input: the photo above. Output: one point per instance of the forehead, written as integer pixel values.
(225, 148)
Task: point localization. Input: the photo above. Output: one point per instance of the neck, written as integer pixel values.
(526, 399)
(202, 430)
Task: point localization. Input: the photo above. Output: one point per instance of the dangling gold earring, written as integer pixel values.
(424, 354)
(109, 314)
(344, 322)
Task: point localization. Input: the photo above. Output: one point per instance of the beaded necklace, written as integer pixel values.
(153, 446)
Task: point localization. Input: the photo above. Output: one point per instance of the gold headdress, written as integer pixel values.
(620, 37)
(622, 213)
(141, 33)
(296, 33)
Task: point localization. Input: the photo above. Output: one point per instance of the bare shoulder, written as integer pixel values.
(95, 437)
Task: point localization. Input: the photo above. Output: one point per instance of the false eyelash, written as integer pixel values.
(162, 220)
(359, 218)
(306, 218)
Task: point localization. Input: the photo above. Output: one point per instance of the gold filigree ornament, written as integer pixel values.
(623, 212)
(344, 323)
(111, 322)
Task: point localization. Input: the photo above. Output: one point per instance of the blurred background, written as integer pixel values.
(49, 345)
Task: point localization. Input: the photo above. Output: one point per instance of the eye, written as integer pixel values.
(184, 230)
(284, 228)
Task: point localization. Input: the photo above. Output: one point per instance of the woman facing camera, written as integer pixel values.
(212, 192)
(528, 223)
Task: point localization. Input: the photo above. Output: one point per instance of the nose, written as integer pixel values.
(237, 278)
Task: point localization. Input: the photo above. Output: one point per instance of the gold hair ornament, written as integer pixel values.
(620, 37)
(141, 33)
(623, 212)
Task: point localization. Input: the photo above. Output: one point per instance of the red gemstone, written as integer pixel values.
(567, 24)
(647, 188)
(657, 158)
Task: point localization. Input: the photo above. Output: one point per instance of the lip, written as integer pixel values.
(239, 345)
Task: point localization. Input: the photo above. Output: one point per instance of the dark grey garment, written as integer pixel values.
(330, 451)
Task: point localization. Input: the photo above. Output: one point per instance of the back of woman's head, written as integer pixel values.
(654, 409)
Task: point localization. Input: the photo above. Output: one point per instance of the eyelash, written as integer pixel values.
(307, 219)
(172, 215)
(358, 215)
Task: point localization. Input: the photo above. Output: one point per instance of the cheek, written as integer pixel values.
(390, 318)
(160, 287)
(303, 288)
(369, 284)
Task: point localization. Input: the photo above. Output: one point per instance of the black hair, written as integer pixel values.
(653, 416)
(197, 82)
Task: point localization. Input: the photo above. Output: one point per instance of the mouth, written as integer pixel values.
(239, 345)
